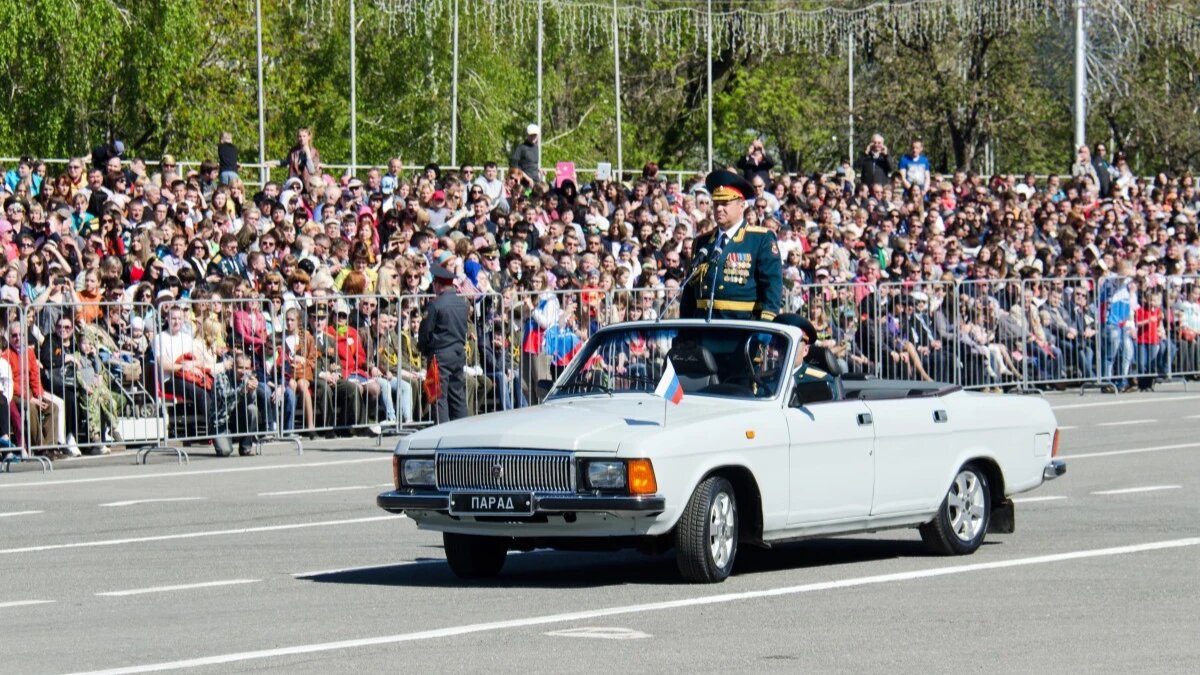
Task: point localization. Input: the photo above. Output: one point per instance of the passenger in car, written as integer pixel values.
(813, 383)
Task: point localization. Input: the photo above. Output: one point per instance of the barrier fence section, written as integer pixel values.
(234, 367)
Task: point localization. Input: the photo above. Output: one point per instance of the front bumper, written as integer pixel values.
(399, 501)
(1054, 469)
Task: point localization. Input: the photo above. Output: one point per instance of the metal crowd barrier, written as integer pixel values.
(245, 369)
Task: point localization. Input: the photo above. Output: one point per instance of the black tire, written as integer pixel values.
(694, 533)
(474, 557)
(961, 524)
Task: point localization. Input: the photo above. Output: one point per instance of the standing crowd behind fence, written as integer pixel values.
(144, 305)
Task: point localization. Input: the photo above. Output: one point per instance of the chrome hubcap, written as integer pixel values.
(966, 505)
(721, 529)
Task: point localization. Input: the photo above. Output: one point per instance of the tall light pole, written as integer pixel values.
(353, 94)
(708, 39)
(617, 68)
(262, 124)
(454, 95)
(850, 70)
(1080, 75)
(540, 42)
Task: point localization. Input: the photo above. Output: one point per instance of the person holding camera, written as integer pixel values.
(874, 167)
(757, 163)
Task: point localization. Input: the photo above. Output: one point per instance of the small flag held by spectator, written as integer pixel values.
(669, 387)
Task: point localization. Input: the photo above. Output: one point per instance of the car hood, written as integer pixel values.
(580, 423)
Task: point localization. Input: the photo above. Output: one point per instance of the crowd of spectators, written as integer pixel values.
(300, 300)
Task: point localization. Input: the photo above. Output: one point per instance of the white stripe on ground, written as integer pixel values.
(328, 489)
(13, 514)
(24, 603)
(453, 631)
(203, 472)
(1066, 428)
(1030, 500)
(135, 502)
(1131, 451)
(193, 535)
(181, 587)
(1129, 491)
(1126, 401)
(1123, 423)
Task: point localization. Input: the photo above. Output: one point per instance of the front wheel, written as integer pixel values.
(962, 520)
(706, 536)
(474, 557)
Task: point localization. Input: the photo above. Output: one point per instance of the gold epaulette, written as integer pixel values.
(757, 229)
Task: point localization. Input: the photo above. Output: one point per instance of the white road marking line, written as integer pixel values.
(1192, 417)
(193, 535)
(316, 490)
(181, 587)
(1127, 401)
(23, 603)
(135, 502)
(13, 514)
(453, 631)
(1123, 423)
(203, 472)
(600, 632)
(1129, 491)
(1131, 451)
(1029, 500)
(1066, 428)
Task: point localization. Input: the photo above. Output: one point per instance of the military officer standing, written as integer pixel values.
(741, 276)
(443, 336)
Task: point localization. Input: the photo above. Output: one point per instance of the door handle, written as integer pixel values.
(940, 417)
(864, 419)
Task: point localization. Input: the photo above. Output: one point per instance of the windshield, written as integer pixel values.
(708, 360)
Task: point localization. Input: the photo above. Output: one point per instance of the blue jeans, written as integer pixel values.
(228, 177)
(1118, 354)
(1147, 364)
(510, 390)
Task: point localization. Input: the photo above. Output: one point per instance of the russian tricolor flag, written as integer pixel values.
(669, 387)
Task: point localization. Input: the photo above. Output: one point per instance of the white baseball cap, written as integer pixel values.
(532, 130)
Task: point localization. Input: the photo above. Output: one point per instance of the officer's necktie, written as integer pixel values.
(720, 248)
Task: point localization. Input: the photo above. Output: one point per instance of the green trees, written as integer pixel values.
(169, 75)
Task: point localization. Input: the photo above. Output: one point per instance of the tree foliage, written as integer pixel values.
(170, 75)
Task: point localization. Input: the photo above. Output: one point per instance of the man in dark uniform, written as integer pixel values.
(741, 276)
(443, 336)
(227, 263)
(813, 384)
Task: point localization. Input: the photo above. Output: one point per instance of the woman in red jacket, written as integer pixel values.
(353, 358)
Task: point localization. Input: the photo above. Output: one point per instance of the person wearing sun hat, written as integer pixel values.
(741, 275)
(443, 337)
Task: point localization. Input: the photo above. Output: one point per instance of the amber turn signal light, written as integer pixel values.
(641, 477)
(1054, 447)
(396, 471)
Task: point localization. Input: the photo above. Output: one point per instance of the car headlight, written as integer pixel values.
(606, 475)
(419, 472)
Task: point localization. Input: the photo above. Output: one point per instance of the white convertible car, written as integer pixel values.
(750, 455)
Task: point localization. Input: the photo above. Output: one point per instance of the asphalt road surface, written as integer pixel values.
(282, 563)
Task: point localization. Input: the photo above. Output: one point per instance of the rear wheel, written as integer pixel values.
(706, 536)
(474, 557)
(962, 521)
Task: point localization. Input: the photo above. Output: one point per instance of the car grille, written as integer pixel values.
(490, 470)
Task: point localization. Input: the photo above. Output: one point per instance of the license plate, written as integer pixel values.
(491, 503)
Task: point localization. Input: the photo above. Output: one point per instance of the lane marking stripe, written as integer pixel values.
(24, 603)
(1131, 451)
(1124, 423)
(1132, 401)
(135, 502)
(1030, 500)
(203, 472)
(194, 535)
(317, 490)
(19, 513)
(1129, 491)
(454, 631)
(181, 587)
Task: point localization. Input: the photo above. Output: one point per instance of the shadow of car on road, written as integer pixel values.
(569, 569)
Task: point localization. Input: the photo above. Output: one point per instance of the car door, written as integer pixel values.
(914, 442)
(832, 463)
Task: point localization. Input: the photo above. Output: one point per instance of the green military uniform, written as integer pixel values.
(805, 375)
(748, 275)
